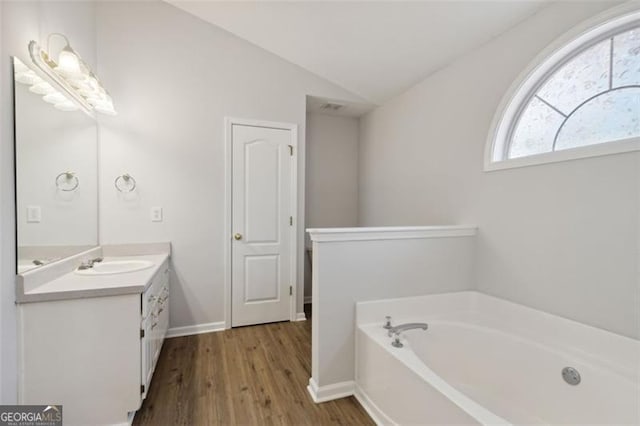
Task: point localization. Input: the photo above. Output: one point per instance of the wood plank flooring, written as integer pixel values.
(244, 376)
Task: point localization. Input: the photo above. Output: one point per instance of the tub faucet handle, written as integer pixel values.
(387, 323)
(396, 342)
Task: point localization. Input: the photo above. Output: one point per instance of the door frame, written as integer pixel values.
(227, 235)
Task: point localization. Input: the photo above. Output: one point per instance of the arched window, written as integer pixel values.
(582, 97)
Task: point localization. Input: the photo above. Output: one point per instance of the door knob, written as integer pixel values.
(237, 236)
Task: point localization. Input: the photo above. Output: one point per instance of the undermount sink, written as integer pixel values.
(115, 267)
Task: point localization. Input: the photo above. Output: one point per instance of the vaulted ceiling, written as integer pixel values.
(374, 49)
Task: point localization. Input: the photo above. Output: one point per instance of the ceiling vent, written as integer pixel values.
(331, 107)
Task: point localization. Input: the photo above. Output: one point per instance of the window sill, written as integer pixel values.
(607, 148)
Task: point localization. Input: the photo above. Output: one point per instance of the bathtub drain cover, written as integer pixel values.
(571, 375)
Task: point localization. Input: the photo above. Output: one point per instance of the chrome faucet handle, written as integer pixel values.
(387, 325)
(85, 265)
(396, 342)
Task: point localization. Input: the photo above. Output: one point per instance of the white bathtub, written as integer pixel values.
(484, 360)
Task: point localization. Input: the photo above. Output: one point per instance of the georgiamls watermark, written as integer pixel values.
(30, 415)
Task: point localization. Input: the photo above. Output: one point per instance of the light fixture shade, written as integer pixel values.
(80, 84)
(106, 109)
(69, 63)
(42, 88)
(28, 77)
(67, 105)
(105, 106)
(74, 77)
(55, 98)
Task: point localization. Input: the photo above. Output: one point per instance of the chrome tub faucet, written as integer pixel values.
(395, 331)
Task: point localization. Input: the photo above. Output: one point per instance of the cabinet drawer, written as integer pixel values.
(154, 292)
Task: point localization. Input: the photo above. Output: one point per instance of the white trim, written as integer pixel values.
(294, 229)
(226, 235)
(390, 233)
(190, 330)
(599, 150)
(293, 128)
(300, 316)
(543, 65)
(330, 392)
(376, 414)
(262, 123)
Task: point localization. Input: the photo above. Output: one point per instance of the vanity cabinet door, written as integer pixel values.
(163, 312)
(155, 322)
(156, 343)
(146, 356)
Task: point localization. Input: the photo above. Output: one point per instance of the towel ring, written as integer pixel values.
(125, 183)
(69, 183)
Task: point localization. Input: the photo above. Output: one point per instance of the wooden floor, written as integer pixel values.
(244, 376)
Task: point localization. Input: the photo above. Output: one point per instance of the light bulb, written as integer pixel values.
(55, 98)
(42, 88)
(69, 63)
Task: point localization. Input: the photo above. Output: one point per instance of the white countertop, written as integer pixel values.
(74, 286)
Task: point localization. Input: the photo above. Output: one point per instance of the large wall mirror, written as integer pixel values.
(56, 173)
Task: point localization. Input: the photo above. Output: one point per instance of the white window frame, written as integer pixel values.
(563, 49)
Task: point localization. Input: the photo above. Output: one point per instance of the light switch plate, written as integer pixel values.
(156, 214)
(34, 214)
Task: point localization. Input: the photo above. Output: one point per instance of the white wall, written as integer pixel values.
(174, 78)
(332, 176)
(21, 22)
(332, 171)
(387, 264)
(560, 237)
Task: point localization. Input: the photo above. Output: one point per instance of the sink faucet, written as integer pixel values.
(89, 263)
(395, 331)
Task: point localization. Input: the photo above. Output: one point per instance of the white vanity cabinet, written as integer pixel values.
(155, 323)
(94, 355)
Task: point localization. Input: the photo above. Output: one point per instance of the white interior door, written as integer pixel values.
(262, 224)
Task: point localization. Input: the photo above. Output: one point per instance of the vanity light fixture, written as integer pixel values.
(23, 74)
(74, 76)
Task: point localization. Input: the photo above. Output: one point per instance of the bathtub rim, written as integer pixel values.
(614, 351)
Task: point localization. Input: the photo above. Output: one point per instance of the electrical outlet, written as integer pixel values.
(156, 214)
(34, 214)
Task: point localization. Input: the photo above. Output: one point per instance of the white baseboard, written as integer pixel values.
(195, 329)
(300, 316)
(307, 300)
(371, 408)
(330, 392)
